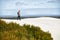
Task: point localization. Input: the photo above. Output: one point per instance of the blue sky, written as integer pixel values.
(29, 7)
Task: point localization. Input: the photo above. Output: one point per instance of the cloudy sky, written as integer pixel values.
(29, 7)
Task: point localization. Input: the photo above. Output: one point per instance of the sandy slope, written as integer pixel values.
(46, 23)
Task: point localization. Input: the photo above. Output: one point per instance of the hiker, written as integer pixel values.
(18, 13)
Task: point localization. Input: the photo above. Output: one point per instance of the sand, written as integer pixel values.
(45, 23)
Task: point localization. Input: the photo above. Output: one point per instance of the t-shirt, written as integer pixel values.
(18, 13)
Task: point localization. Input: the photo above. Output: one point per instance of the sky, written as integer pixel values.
(30, 7)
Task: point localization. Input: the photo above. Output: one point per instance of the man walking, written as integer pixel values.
(18, 13)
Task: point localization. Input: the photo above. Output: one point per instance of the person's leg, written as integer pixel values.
(19, 17)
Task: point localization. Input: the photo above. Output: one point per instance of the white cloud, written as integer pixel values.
(15, 4)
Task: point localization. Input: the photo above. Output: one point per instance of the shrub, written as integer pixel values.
(13, 31)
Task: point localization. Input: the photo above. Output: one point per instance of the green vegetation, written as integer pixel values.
(13, 31)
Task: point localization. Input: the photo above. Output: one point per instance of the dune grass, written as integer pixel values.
(13, 31)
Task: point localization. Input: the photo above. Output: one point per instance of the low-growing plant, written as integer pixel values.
(13, 31)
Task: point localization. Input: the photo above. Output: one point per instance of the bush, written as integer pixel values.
(13, 31)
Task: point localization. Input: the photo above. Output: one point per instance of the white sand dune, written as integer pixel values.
(45, 23)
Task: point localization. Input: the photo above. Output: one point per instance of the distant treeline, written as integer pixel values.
(13, 31)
